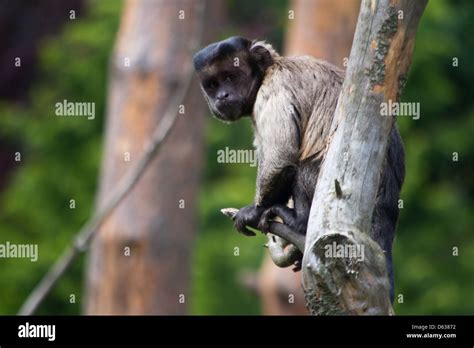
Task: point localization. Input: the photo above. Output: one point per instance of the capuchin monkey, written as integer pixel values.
(291, 102)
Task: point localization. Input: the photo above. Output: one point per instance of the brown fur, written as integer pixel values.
(313, 87)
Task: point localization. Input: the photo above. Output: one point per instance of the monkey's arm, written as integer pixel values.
(278, 144)
(277, 138)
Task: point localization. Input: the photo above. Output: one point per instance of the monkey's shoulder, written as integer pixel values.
(300, 69)
(296, 80)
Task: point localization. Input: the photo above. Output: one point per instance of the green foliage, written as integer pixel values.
(60, 157)
(218, 264)
(438, 205)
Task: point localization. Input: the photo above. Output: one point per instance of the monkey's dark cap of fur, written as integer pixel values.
(219, 49)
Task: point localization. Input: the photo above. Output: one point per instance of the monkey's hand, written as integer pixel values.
(247, 216)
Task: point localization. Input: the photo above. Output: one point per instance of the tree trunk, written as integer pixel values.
(345, 194)
(140, 259)
(323, 29)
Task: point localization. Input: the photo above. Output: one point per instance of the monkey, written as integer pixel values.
(291, 102)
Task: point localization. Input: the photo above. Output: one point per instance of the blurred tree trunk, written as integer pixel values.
(323, 29)
(140, 260)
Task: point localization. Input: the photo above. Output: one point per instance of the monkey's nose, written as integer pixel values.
(222, 95)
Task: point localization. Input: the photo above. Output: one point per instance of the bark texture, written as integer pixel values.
(345, 195)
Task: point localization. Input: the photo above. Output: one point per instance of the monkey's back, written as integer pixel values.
(311, 86)
(303, 93)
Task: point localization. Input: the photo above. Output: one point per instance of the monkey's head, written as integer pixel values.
(231, 72)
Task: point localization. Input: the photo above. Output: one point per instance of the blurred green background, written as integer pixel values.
(60, 161)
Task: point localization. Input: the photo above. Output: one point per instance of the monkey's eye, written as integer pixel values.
(211, 84)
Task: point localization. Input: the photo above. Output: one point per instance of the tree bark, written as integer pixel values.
(345, 194)
(140, 259)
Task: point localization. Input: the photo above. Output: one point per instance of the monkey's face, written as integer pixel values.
(229, 90)
(231, 73)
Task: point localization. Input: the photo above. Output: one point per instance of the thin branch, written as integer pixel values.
(125, 185)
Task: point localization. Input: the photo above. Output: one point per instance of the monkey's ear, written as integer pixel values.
(262, 54)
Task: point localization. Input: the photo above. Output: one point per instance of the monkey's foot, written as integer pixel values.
(283, 253)
(278, 213)
(267, 217)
